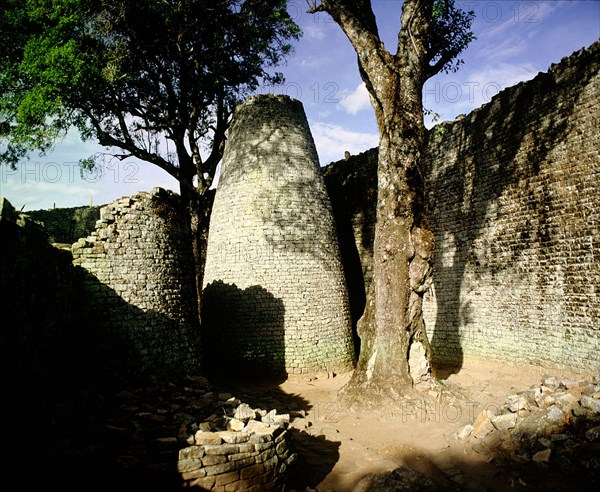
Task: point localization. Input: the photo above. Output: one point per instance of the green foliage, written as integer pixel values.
(152, 77)
(450, 33)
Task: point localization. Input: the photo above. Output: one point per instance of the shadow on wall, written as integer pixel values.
(131, 341)
(495, 147)
(353, 196)
(58, 368)
(242, 331)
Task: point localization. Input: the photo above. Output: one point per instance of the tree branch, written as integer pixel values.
(108, 140)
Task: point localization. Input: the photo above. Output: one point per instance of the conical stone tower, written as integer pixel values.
(274, 294)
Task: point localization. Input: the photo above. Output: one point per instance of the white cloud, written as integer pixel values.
(314, 31)
(356, 100)
(333, 141)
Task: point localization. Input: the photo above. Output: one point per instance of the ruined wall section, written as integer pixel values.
(67, 225)
(514, 201)
(139, 281)
(274, 296)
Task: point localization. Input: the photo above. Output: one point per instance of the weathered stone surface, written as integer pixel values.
(139, 280)
(235, 425)
(274, 289)
(214, 459)
(191, 452)
(202, 438)
(233, 437)
(483, 424)
(244, 412)
(465, 432)
(187, 465)
(590, 403)
(542, 456)
(555, 414)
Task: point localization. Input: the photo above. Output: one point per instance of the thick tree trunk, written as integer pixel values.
(394, 347)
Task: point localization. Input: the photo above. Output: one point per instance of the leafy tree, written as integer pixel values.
(156, 79)
(432, 34)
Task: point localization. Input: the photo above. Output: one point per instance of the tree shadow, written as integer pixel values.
(470, 164)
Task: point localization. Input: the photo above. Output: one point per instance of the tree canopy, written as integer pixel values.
(158, 79)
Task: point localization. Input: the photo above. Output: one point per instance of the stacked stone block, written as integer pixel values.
(274, 290)
(513, 200)
(248, 460)
(139, 281)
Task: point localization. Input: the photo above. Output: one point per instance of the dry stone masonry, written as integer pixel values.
(243, 449)
(274, 290)
(514, 201)
(139, 277)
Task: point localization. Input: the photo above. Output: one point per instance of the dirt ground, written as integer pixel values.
(342, 447)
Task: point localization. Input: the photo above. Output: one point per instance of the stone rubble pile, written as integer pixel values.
(554, 424)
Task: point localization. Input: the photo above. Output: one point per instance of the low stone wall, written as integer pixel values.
(138, 277)
(253, 455)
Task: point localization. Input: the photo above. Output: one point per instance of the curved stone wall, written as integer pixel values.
(138, 275)
(274, 292)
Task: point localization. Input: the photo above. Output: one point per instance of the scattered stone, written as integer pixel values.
(518, 402)
(591, 403)
(465, 432)
(244, 413)
(254, 426)
(506, 421)
(483, 425)
(593, 434)
(235, 425)
(205, 426)
(566, 402)
(555, 414)
(542, 456)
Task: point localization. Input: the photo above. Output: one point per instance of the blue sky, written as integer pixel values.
(515, 41)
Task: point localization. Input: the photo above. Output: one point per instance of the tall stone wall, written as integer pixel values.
(274, 294)
(67, 225)
(514, 202)
(139, 286)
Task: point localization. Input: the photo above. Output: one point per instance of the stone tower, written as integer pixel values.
(274, 294)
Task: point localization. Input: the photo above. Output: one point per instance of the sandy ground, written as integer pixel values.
(342, 446)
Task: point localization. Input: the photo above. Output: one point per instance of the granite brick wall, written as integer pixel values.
(514, 202)
(274, 294)
(138, 278)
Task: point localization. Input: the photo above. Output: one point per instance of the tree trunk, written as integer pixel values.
(192, 203)
(394, 347)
